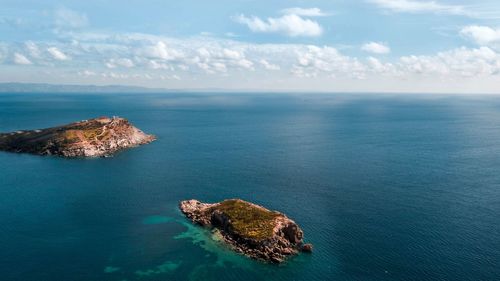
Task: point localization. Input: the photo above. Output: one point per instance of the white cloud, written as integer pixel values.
(216, 62)
(376, 48)
(461, 62)
(482, 35)
(269, 66)
(66, 18)
(57, 54)
(452, 65)
(123, 62)
(244, 63)
(219, 66)
(21, 59)
(379, 67)
(414, 6)
(232, 54)
(214, 59)
(153, 64)
(313, 61)
(291, 25)
(87, 73)
(32, 49)
(306, 12)
(160, 51)
(114, 75)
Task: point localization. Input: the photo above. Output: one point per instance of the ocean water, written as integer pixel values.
(403, 187)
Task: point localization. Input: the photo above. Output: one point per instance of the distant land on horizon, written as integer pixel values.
(61, 88)
(19, 87)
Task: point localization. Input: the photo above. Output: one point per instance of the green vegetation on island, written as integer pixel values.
(248, 220)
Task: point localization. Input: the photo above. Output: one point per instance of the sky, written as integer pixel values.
(424, 46)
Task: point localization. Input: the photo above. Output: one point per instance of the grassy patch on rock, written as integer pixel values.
(248, 220)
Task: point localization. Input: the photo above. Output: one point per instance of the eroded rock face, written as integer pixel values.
(250, 229)
(89, 138)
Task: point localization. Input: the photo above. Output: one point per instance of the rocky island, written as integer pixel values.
(97, 137)
(249, 229)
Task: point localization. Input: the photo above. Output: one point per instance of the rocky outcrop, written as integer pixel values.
(89, 138)
(249, 229)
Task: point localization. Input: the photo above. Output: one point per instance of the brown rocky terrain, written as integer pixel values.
(89, 138)
(250, 229)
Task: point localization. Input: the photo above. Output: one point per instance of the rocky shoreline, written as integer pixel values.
(99, 137)
(249, 229)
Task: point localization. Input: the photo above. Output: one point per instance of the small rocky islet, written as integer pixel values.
(99, 137)
(249, 229)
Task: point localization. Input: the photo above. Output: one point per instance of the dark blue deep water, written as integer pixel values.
(385, 187)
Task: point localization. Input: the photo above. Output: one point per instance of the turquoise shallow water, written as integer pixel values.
(385, 187)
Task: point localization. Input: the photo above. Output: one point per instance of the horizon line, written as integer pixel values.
(133, 89)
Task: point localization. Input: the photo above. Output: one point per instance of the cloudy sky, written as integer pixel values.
(334, 45)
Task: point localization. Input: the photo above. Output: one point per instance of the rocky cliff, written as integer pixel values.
(249, 229)
(89, 138)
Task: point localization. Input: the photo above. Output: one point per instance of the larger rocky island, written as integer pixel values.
(249, 229)
(88, 138)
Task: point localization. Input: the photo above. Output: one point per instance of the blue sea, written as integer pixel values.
(386, 187)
